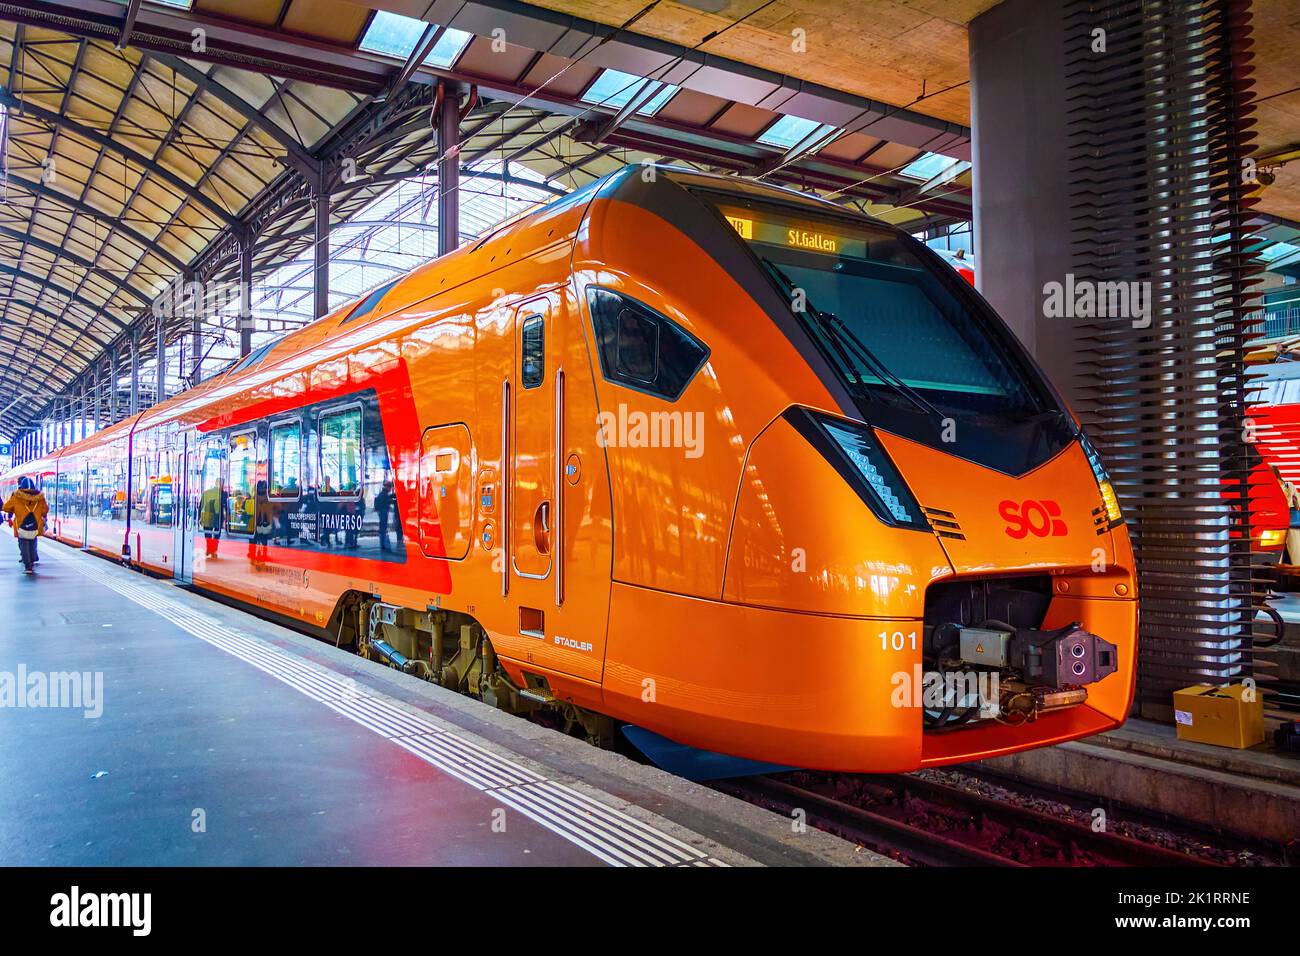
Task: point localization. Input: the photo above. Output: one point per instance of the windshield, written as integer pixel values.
(917, 355)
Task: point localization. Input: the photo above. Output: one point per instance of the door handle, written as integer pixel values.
(542, 528)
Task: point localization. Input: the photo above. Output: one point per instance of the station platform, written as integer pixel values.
(1253, 794)
(187, 732)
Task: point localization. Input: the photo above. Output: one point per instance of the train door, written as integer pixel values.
(557, 568)
(181, 518)
(531, 456)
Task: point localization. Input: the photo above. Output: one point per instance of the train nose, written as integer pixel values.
(1051, 519)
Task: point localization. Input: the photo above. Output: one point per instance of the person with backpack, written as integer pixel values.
(27, 509)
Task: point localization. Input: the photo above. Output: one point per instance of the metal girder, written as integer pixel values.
(163, 174)
(60, 319)
(593, 131)
(228, 97)
(85, 209)
(46, 282)
(119, 284)
(128, 22)
(423, 47)
(241, 45)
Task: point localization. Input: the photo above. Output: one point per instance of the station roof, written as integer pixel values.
(142, 137)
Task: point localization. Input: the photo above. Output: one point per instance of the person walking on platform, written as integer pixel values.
(27, 509)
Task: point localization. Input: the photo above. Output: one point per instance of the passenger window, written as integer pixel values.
(212, 498)
(641, 348)
(534, 349)
(286, 460)
(340, 454)
(243, 484)
(139, 489)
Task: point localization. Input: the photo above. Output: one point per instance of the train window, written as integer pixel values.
(255, 356)
(534, 351)
(641, 348)
(242, 484)
(367, 305)
(636, 346)
(340, 454)
(139, 491)
(286, 460)
(212, 498)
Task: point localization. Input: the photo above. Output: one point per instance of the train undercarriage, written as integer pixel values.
(451, 649)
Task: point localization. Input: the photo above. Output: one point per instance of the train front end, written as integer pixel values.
(925, 562)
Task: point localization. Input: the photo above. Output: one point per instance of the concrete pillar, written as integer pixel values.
(449, 167)
(1109, 140)
(1021, 177)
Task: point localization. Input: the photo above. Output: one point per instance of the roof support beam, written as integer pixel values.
(223, 94)
(128, 22)
(428, 40)
(85, 209)
(52, 249)
(165, 175)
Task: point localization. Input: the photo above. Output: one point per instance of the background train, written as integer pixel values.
(706, 457)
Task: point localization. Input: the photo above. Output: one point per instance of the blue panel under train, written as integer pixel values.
(690, 763)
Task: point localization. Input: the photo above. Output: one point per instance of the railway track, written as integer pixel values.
(927, 823)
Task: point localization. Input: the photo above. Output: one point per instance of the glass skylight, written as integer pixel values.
(929, 165)
(615, 89)
(391, 34)
(448, 48)
(1276, 251)
(393, 234)
(789, 131)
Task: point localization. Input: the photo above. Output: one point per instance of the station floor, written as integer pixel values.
(197, 734)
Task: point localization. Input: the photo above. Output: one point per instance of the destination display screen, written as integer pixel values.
(828, 238)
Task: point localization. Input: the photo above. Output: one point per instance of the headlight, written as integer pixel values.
(1271, 538)
(852, 449)
(1109, 500)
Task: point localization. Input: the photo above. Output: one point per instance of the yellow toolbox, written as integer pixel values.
(1231, 716)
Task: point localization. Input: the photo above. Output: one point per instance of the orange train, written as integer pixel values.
(701, 456)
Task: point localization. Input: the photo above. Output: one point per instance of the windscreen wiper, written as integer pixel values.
(839, 334)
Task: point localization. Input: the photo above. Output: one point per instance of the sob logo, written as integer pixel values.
(1039, 518)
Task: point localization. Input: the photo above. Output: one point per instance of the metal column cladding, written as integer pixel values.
(1159, 97)
(448, 121)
